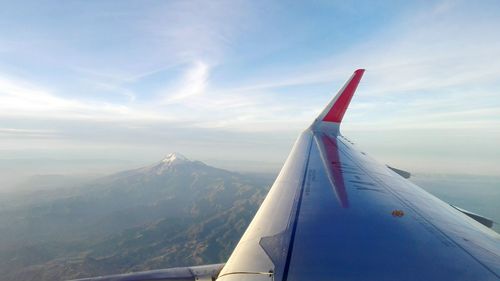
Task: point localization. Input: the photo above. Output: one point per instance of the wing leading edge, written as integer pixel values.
(334, 213)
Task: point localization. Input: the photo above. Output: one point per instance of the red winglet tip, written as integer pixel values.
(338, 109)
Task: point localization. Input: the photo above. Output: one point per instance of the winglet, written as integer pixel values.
(335, 110)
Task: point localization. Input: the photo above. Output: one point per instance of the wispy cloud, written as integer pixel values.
(194, 82)
(21, 99)
(405, 58)
(26, 133)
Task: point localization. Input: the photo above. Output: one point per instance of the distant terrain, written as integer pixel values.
(173, 213)
(479, 194)
(176, 212)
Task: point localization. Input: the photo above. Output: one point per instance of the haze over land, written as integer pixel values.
(171, 213)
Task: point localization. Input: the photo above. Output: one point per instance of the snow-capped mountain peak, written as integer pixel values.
(174, 157)
(170, 161)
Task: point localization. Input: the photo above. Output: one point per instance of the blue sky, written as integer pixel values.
(234, 82)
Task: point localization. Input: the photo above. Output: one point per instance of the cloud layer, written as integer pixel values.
(124, 81)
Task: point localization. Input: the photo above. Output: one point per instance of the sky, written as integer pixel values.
(92, 86)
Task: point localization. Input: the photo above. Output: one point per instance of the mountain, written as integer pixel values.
(172, 213)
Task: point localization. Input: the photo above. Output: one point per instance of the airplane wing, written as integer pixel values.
(334, 213)
(191, 273)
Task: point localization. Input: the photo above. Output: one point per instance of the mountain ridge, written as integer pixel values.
(173, 212)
